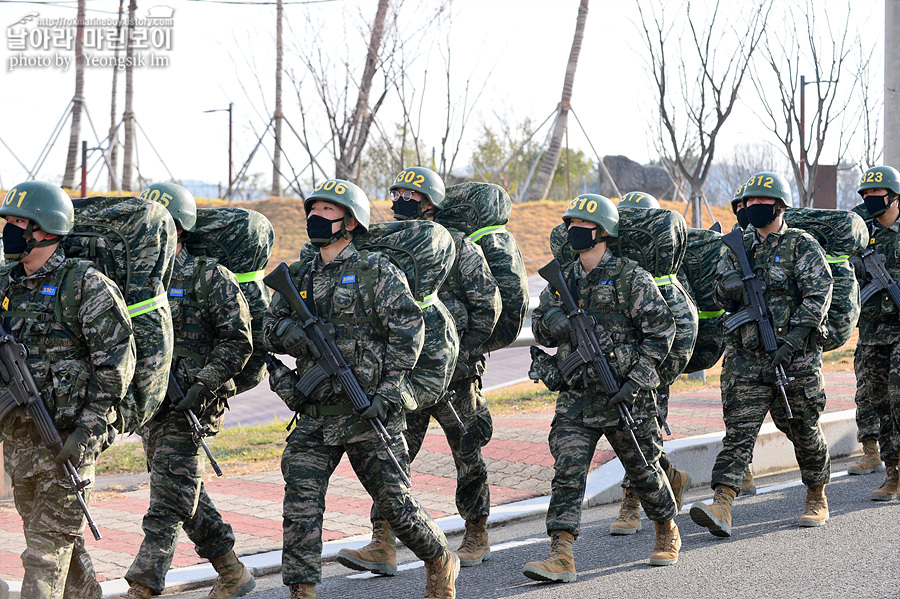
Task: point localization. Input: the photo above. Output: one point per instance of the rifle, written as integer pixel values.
(757, 311)
(198, 431)
(23, 391)
(882, 280)
(588, 350)
(661, 419)
(332, 364)
(449, 397)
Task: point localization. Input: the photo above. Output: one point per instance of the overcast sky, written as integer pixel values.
(213, 48)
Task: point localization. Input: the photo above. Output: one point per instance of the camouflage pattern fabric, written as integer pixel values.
(83, 362)
(878, 393)
(843, 315)
(697, 274)
(868, 424)
(686, 324)
(879, 320)
(178, 500)
(381, 342)
(798, 294)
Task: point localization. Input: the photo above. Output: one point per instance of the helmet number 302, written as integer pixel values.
(410, 177)
(584, 204)
(11, 196)
(154, 195)
(332, 185)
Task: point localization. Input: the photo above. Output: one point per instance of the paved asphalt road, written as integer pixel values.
(854, 555)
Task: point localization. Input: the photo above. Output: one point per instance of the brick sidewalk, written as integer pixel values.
(517, 457)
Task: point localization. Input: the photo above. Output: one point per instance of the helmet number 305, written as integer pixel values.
(332, 185)
(11, 196)
(410, 177)
(584, 204)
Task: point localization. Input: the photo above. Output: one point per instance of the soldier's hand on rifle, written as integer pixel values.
(783, 356)
(732, 286)
(557, 323)
(73, 448)
(626, 394)
(378, 409)
(192, 398)
(295, 340)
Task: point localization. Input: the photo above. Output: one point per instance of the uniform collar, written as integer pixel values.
(348, 253)
(54, 262)
(774, 236)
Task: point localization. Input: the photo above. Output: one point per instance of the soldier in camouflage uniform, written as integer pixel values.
(798, 294)
(381, 338)
(629, 519)
(74, 321)
(211, 322)
(877, 358)
(472, 297)
(635, 328)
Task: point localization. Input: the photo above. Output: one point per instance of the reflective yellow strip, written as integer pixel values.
(487, 231)
(666, 280)
(710, 313)
(147, 305)
(428, 300)
(246, 277)
(835, 259)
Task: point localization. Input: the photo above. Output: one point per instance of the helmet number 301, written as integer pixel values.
(410, 177)
(332, 185)
(12, 196)
(584, 204)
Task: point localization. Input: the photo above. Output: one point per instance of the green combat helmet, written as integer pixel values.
(638, 199)
(424, 180)
(46, 205)
(343, 193)
(879, 177)
(736, 199)
(178, 201)
(596, 209)
(768, 185)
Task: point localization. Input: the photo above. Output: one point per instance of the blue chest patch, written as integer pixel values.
(348, 279)
(48, 290)
(176, 292)
(777, 259)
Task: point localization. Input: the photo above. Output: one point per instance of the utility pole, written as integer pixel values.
(230, 161)
(891, 82)
(276, 155)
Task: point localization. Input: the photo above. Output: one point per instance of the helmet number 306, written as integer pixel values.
(11, 196)
(333, 185)
(584, 204)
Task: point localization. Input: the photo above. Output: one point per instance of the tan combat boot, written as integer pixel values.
(303, 591)
(559, 565)
(680, 481)
(136, 591)
(475, 546)
(668, 542)
(440, 577)
(815, 512)
(748, 485)
(378, 557)
(234, 578)
(888, 489)
(629, 520)
(716, 517)
(870, 460)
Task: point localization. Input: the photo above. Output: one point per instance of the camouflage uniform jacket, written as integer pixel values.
(634, 326)
(379, 329)
(798, 294)
(211, 322)
(472, 296)
(75, 324)
(879, 321)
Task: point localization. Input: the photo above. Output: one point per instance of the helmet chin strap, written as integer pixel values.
(34, 243)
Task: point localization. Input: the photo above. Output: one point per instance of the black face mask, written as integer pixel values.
(319, 230)
(761, 215)
(742, 218)
(877, 205)
(14, 243)
(405, 209)
(582, 238)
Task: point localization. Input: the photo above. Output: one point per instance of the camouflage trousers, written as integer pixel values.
(573, 444)
(307, 464)
(56, 563)
(745, 404)
(473, 495)
(878, 397)
(662, 400)
(178, 500)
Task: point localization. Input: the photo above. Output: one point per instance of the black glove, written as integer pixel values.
(4, 373)
(191, 398)
(73, 449)
(378, 409)
(626, 394)
(558, 325)
(732, 285)
(295, 340)
(783, 356)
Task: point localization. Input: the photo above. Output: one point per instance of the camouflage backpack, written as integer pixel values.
(425, 252)
(132, 241)
(240, 240)
(655, 239)
(841, 234)
(481, 211)
(698, 273)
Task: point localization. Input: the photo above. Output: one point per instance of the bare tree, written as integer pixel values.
(128, 117)
(705, 92)
(276, 153)
(541, 184)
(871, 99)
(77, 102)
(113, 123)
(727, 174)
(797, 45)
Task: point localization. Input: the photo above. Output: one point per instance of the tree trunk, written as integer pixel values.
(75, 135)
(541, 185)
(276, 154)
(128, 117)
(113, 133)
(347, 164)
